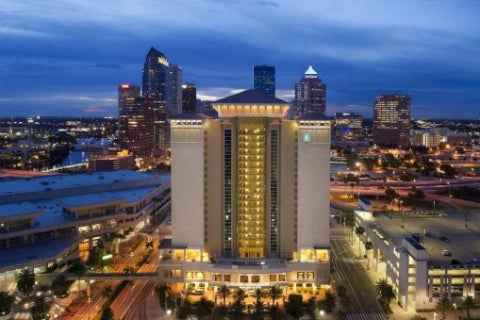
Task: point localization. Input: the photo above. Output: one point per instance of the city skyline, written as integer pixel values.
(68, 58)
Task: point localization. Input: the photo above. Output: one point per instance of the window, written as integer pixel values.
(244, 279)
(226, 278)
(281, 277)
(310, 275)
(300, 275)
(218, 278)
(273, 278)
(255, 279)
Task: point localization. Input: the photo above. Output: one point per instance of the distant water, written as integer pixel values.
(75, 157)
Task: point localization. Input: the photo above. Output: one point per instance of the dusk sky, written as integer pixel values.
(67, 57)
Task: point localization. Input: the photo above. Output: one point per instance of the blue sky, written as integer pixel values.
(67, 57)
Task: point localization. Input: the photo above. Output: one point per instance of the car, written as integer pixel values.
(455, 261)
(417, 236)
(444, 239)
(429, 234)
(447, 253)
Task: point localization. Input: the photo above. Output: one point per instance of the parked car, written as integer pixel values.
(447, 253)
(417, 236)
(430, 235)
(444, 239)
(455, 261)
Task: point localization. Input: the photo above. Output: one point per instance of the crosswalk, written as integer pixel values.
(366, 316)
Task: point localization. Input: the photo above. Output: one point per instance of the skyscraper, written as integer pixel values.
(264, 79)
(174, 90)
(155, 76)
(135, 121)
(310, 94)
(189, 97)
(391, 120)
(250, 197)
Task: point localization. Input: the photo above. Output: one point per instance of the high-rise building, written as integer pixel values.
(310, 94)
(348, 125)
(155, 75)
(264, 79)
(189, 97)
(135, 121)
(391, 120)
(174, 90)
(250, 197)
(127, 94)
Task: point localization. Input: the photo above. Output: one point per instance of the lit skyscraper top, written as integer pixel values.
(310, 94)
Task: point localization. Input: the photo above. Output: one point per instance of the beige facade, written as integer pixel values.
(250, 197)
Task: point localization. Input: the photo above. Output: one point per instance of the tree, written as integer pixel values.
(240, 295)
(41, 309)
(385, 294)
(107, 314)
(203, 307)
(294, 306)
(163, 291)
(26, 281)
(390, 194)
(60, 286)
(468, 303)
(368, 246)
(149, 245)
(311, 308)
(78, 268)
(224, 292)
(220, 313)
(329, 302)
(6, 302)
(236, 311)
(94, 258)
(258, 307)
(359, 231)
(107, 292)
(274, 292)
(444, 306)
(183, 310)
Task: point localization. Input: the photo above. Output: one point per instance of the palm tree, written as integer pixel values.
(149, 245)
(368, 246)
(107, 292)
(78, 268)
(385, 293)
(107, 314)
(163, 292)
(274, 292)
(203, 307)
(359, 231)
(40, 309)
(444, 306)
(6, 302)
(224, 292)
(26, 281)
(240, 295)
(468, 303)
(259, 294)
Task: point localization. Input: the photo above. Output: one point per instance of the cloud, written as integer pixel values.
(9, 31)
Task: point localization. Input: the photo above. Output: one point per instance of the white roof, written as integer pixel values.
(311, 71)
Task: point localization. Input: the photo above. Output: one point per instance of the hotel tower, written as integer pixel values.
(250, 197)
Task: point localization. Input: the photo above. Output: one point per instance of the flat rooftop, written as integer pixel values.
(10, 186)
(463, 243)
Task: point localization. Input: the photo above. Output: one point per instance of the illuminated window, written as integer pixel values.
(244, 279)
(255, 279)
(218, 277)
(310, 275)
(226, 278)
(281, 277)
(273, 278)
(300, 275)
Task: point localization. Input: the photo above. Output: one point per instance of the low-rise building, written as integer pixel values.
(46, 220)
